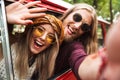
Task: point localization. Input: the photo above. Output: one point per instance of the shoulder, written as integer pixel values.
(71, 45)
(76, 44)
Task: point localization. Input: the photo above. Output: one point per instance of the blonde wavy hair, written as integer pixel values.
(88, 39)
(45, 60)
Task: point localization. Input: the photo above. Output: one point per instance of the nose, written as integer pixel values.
(43, 37)
(77, 25)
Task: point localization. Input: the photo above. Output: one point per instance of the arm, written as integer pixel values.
(17, 13)
(89, 68)
(77, 56)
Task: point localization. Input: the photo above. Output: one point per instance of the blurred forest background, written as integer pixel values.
(106, 9)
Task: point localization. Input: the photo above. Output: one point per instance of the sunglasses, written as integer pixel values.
(39, 31)
(84, 27)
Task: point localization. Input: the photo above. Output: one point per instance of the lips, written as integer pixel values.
(38, 44)
(70, 30)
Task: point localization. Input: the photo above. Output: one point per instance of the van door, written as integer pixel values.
(4, 44)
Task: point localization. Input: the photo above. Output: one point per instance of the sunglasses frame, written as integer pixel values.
(84, 27)
(35, 27)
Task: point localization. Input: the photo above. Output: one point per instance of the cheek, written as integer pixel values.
(64, 25)
(47, 45)
(80, 33)
(31, 39)
(31, 42)
(66, 22)
(65, 30)
(43, 48)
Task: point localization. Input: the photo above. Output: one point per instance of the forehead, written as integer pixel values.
(47, 27)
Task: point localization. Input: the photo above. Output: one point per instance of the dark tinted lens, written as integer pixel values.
(85, 27)
(77, 17)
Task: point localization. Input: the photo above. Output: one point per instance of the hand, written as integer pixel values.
(17, 13)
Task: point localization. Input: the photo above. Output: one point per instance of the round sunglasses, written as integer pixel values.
(84, 27)
(39, 31)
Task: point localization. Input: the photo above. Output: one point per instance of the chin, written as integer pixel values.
(68, 39)
(34, 51)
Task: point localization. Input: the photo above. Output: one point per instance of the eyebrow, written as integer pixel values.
(52, 34)
(46, 29)
(40, 26)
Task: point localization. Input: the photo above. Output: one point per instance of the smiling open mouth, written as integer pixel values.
(38, 44)
(71, 30)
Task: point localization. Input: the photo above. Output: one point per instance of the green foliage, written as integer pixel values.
(103, 7)
(69, 1)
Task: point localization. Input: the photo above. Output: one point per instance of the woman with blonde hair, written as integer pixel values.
(37, 48)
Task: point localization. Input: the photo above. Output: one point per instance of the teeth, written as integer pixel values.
(70, 29)
(39, 43)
